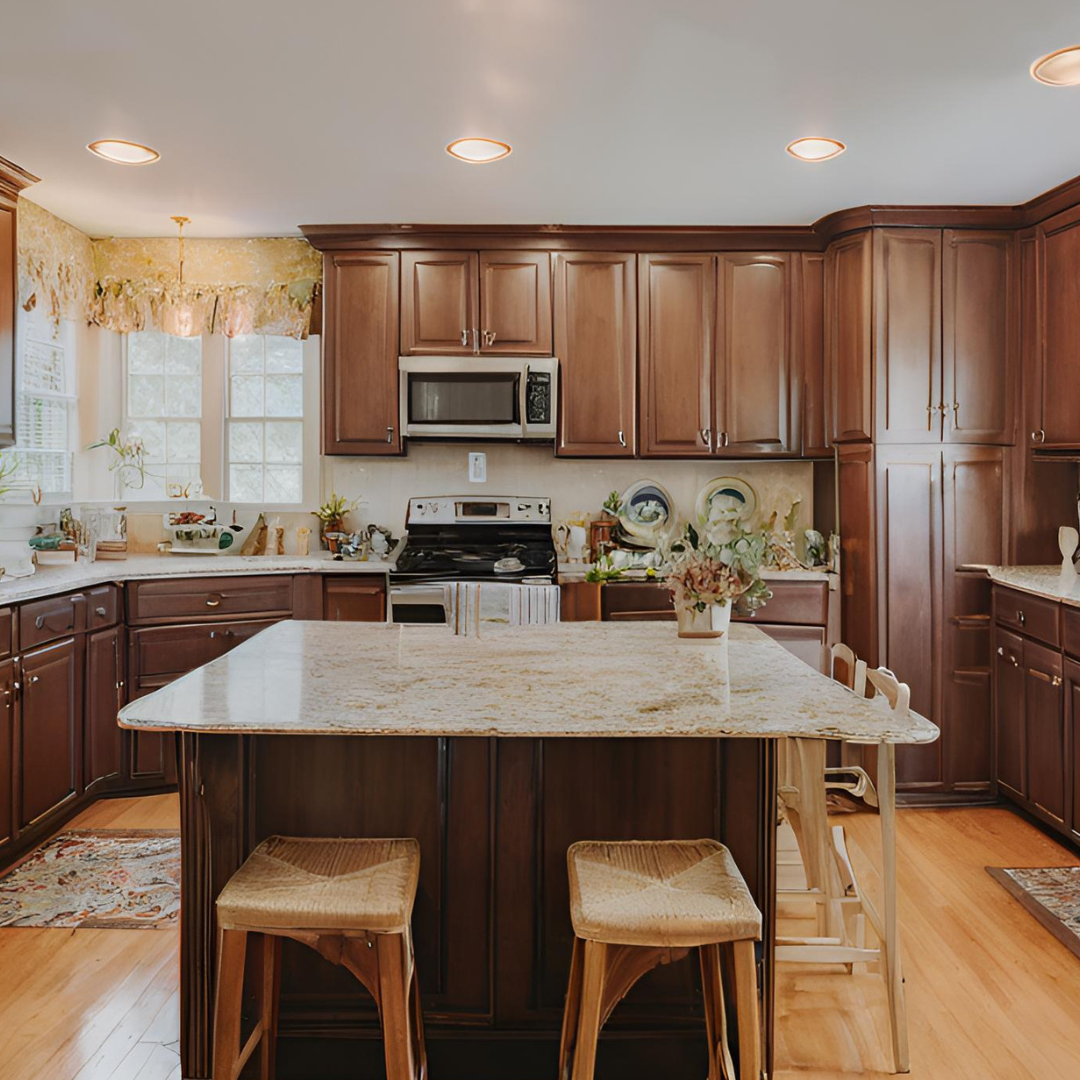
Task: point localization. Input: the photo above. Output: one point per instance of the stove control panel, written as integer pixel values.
(470, 510)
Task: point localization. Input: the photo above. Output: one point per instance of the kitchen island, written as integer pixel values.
(496, 752)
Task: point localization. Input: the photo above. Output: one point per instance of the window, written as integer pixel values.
(265, 419)
(43, 404)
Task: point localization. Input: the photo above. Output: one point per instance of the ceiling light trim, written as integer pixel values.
(505, 149)
(97, 148)
(1048, 59)
(836, 144)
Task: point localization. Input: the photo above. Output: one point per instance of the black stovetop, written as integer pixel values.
(469, 553)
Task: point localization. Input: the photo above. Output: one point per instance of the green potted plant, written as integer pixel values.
(331, 515)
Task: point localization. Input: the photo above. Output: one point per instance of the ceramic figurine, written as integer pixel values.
(1068, 539)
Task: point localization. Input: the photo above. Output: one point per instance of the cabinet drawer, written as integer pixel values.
(162, 653)
(1070, 634)
(190, 599)
(47, 620)
(797, 603)
(1030, 615)
(7, 631)
(102, 607)
(805, 642)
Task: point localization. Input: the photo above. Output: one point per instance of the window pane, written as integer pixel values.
(246, 483)
(284, 356)
(183, 395)
(146, 395)
(246, 354)
(183, 356)
(184, 442)
(152, 433)
(146, 353)
(245, 441)
(284, 395)
(284, 441)
(246, 398)
(283, 483)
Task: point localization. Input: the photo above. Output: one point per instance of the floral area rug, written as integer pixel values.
(1052, 895)
(96, 879)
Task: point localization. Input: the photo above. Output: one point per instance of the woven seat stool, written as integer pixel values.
(637, 904)
(349, 900)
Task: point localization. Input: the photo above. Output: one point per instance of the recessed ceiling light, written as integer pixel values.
(1061, 68)
(123, 152)
(477, 151)
(815, 148)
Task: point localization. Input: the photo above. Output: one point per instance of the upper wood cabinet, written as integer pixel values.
(596, 343)
(756, 391)
(468, 302)
(1059, 284)
(360, 354)
(439, 302)
(848, 344)
(810, 353)
(676, 329)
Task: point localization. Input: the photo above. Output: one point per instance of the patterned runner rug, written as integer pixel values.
(1052, 895)
(107, 879)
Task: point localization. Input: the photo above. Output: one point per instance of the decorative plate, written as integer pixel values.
(727, 498)
(646, 512)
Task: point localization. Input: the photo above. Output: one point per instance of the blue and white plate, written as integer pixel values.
(647, 511)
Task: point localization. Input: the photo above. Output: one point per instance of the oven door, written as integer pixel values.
(428, 602)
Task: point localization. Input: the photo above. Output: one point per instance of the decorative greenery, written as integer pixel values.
(613, 504)
(603, 570)
(8, 469)
(130, 459)
(332, 512)
(707, 571)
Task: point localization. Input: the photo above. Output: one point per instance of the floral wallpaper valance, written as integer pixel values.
(264, 286)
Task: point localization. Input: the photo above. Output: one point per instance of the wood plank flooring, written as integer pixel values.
(990, 993)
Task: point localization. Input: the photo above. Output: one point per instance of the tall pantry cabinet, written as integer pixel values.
(922, 344)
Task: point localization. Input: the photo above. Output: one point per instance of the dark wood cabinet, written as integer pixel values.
(7, 754)
(352, 599)
(856, 490)
(105, 685)
(440, 311)
(360, 354)
(1059, 241)
(1011, 740)
(907, 335)
(811, 358)
(12, 180)
(595, 314)
(1072, 746)
(515, 303)
(676, 328)
(756, 390)
(848, 343)
(980, 336)
(1044, 729)
(49, 729)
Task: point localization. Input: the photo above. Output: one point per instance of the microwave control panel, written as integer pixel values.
(538, 398)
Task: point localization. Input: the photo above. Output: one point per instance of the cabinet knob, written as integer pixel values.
(213, 601)
(100, 612)
(1001, 650)
(34, 679)
(389, 434)
(622, 439)
(1056, 680)
(489, 337)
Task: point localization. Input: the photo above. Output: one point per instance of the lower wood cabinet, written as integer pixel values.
(1011, 761)
(1072, 746)
(1044, 730)
(7, 761)
(106, 666)
(351, 599)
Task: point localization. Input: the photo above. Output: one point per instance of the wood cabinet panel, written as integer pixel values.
(209, 599)
(858, 530)
(7, 754)
(439, 304)
(1060, 289)
(596, 343)
(52, 618)
(848, 342)
(1044, 729)
(907, 332)
(351, 600)
(105, 668)
(360, 354)
(8, 278)
(980, 327)
(7, 631)
(1011, 764)
(103, 606)
(805, 642)
(676, 314)
(50, 729)
(811, 358)
(515, 303)
(1030, 615)
(161, 653)
(1072, 745)
(754, 377)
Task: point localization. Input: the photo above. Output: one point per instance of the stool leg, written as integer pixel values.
(271, 996)
(395, 972)
(232, 949)
(746, 1004)
(594, 966)
(890, 947)
(712, 988)
(571, 1011)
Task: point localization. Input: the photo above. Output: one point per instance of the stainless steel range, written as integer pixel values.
(464, 539)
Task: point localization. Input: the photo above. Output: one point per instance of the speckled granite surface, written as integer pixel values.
(1046, 581)
(563, 680)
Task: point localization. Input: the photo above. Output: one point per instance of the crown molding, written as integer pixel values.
(13, 178)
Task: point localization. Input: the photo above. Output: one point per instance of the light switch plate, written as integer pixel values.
(477, 468)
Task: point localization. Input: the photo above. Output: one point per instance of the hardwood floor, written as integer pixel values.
(990, 993)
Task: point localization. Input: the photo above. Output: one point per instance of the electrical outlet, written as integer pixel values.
(477, 468)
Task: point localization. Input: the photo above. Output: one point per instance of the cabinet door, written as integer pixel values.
(104, 699)
(7, 322)
(754, 383)
(1044, 714)
(909, 616)
(1060, 285)
(1011, 764)
(975, 492)
(856, 490)
(50, 742)
(980, 328)
(907, 335)
(848, 344)
(350, 600)
(676, 325)
(596, 343)
(360, 354)
(515, 303)
(1072, 744)
(810, 352)
(7, 752)
(439, 309)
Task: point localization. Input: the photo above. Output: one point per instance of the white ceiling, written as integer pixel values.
(269, 114)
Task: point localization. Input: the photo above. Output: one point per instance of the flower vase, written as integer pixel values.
(708, 625)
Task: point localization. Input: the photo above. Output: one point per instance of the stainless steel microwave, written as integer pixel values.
(479, 397)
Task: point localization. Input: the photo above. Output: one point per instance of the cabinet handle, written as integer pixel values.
(622, 439)
(475, 340)
(1020, 617)
(1038, 435)
(1041, 675)
(213, 601)
(1056, 680)
(724, 436)
(389, 434)
(706, 436)
(99, 612)
(955, 413)
(489, 337)
(221, 633)
(465, 339)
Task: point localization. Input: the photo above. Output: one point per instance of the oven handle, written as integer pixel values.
(426, 593)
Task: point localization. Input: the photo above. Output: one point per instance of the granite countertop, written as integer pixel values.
(1047, 581)
(569, 571)
(51, 579)
(561, 680)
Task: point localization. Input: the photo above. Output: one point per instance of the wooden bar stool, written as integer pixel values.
(637, 904)
(349, 900)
